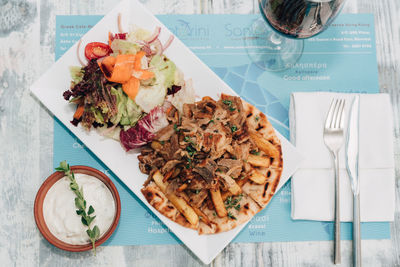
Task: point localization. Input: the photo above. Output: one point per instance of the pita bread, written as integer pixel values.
(253, 198)
(262, 193)
(248, 209)
(160, 202)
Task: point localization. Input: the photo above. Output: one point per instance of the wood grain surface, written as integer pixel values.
(27, 34)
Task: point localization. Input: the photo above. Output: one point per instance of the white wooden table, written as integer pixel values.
(27, 34)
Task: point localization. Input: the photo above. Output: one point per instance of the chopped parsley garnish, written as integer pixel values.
(162, 142)
(211, 121)
(189, 163)
(233, 202)
(234, 128)
(189, 140)
(191, 150)
(230, 216)
(257, 118)
(197, 191)
(254, 152)
(227, 102)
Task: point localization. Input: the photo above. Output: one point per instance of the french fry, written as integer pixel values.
(257, 177)
(158, 179)
(258, 161)
(233, 187)
(202, 216)
(178, 202)
(264, 145)
(218, 203)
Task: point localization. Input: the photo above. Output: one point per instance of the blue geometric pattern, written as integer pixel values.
(243, 80)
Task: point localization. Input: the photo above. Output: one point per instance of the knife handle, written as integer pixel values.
(337, 257)
(356, 231)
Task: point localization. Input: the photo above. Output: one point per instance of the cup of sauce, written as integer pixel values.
(55, 211)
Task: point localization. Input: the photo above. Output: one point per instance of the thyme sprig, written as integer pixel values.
(80, 204)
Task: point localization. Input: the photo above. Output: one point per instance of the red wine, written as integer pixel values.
(300, 18)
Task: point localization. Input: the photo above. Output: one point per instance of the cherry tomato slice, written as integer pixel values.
(97, 50)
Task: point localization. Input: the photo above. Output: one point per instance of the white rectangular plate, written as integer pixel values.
(49, 88)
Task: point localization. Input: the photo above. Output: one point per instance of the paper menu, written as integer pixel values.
(217, 40)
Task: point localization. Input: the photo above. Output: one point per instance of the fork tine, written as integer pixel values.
(339, 113)
(335, 114)
(340, 122)
(329, 117)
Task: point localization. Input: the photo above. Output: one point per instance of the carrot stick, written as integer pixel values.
(138, 60)
(79, 112)
(109, 38)
(131, 87)
(118, 69)
(143, 74)
(107, 65)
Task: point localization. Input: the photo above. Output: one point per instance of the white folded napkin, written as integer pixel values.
(313, 187)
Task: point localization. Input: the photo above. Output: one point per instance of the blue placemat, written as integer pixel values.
(331, 62)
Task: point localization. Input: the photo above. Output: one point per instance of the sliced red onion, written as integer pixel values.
(154, 36)
(78, 54)
(158, 47)
(119, 23)
(168, 43)
(146, 48)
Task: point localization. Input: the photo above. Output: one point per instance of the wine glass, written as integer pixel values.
(288, 21)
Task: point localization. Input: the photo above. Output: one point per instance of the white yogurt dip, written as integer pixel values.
(59, 209)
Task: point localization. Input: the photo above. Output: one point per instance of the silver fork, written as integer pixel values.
(333, 138)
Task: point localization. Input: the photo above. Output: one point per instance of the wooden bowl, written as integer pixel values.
(38, 208)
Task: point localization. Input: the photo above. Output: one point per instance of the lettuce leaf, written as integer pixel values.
(149, 97)
(76, 74)
(164, 70)
(128, 111)
(98, 116)
(120, 46)
(138, 34)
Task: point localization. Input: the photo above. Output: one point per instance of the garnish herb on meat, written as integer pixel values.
(206, 149)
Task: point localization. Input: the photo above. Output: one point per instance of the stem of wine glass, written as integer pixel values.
(276, 39)
(270, 50)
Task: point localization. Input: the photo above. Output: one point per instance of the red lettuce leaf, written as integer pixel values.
(145, 130)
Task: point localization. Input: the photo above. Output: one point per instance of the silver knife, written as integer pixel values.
(352, 148)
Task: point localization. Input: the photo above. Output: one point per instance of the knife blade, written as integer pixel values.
(352, 145)
(352, 149)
